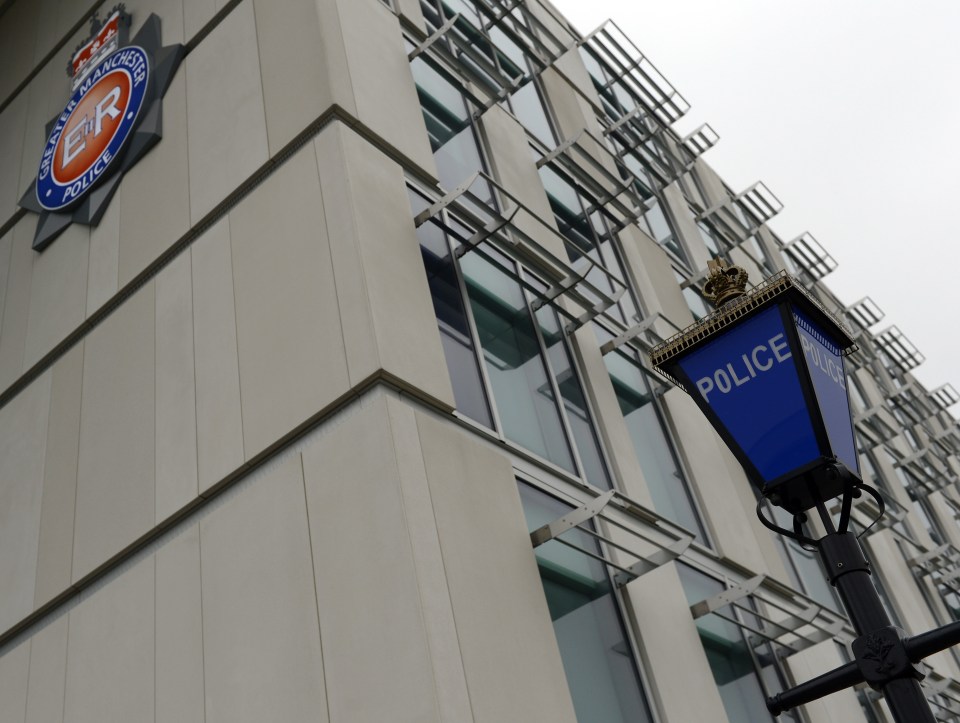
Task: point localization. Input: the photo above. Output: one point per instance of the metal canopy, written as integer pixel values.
(942, 692)
(742, 215)
(603, 509)
(872, 424)
(514, 232)
(926, 469)
(944, 559)
(523, 29)
(576, 159)
(799, 629)
(642, 334)
(899, 349)
(809, 256)
(945, 396)
(864, 314)
(700, 140)
(475, 67)
(638, 100)
(634, 72)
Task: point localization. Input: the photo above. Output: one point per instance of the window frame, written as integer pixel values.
(620, 601)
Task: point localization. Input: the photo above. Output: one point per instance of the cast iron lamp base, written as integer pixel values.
(883, 656)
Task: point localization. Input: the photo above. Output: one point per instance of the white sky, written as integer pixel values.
(849, 111)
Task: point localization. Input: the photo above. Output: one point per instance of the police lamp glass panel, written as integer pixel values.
(768, 372)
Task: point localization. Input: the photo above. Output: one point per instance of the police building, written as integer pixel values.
(326, 392)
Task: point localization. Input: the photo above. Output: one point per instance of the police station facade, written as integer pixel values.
(364, 300)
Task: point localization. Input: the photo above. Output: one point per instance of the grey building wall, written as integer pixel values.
(234, 480)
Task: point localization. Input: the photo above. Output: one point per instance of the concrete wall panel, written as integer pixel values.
(155, 196)
(6, 254)
(376, 66)
(103, 272)
(901, 586)
(14, 673)
(292, 361)
(296, 88)
(23, 439)
(227, 133)
(510, 653)
(170, 13)
(58, 292)
(116, 469)
(16, 302)
(670, 642)
(685, 228)
(453, 698)
(110, 651)
(814, 661)
(219, 425)
(13, 121)
(179, 666)
(176, 408)
(381, 284)
(728, 500)
(376, 655)
(516, 171)
(55, 556)
(650, 266)
(46, 94)
(48, 673)
(610, 422)
(197, 13)
(261, 644)
(18, 38)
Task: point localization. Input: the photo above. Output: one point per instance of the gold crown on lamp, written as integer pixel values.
(724, 282)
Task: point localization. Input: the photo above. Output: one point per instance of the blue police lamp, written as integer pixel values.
(767, 369)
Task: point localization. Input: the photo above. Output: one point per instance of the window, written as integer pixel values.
(510, 366)
(744, 676)
(691, 294)
(448, 117)
(597, 654)
(581, 222)
(484, 42)
(524, 384)
(668, 487)
(529, 107)
(708, 236)
(856, 393)
(803, 566)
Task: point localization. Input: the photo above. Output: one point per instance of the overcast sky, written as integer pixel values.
(849, 111)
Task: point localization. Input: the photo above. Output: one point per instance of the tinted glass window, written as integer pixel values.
(597, 658)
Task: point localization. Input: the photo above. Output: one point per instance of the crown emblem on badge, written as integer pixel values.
(113, 117)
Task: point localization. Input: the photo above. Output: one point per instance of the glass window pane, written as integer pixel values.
(727, 653)
(529, 109)
(455, 334)
(807, 574)
(523, 393)
(574, 403)
(695, 301)
(708, 239)
(597, 657)
(667, 487)
(568, 211)
(444, 108)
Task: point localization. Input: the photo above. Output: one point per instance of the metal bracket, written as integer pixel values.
(504, 232)
(594, 510)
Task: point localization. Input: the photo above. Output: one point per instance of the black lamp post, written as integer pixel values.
(767, 369)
